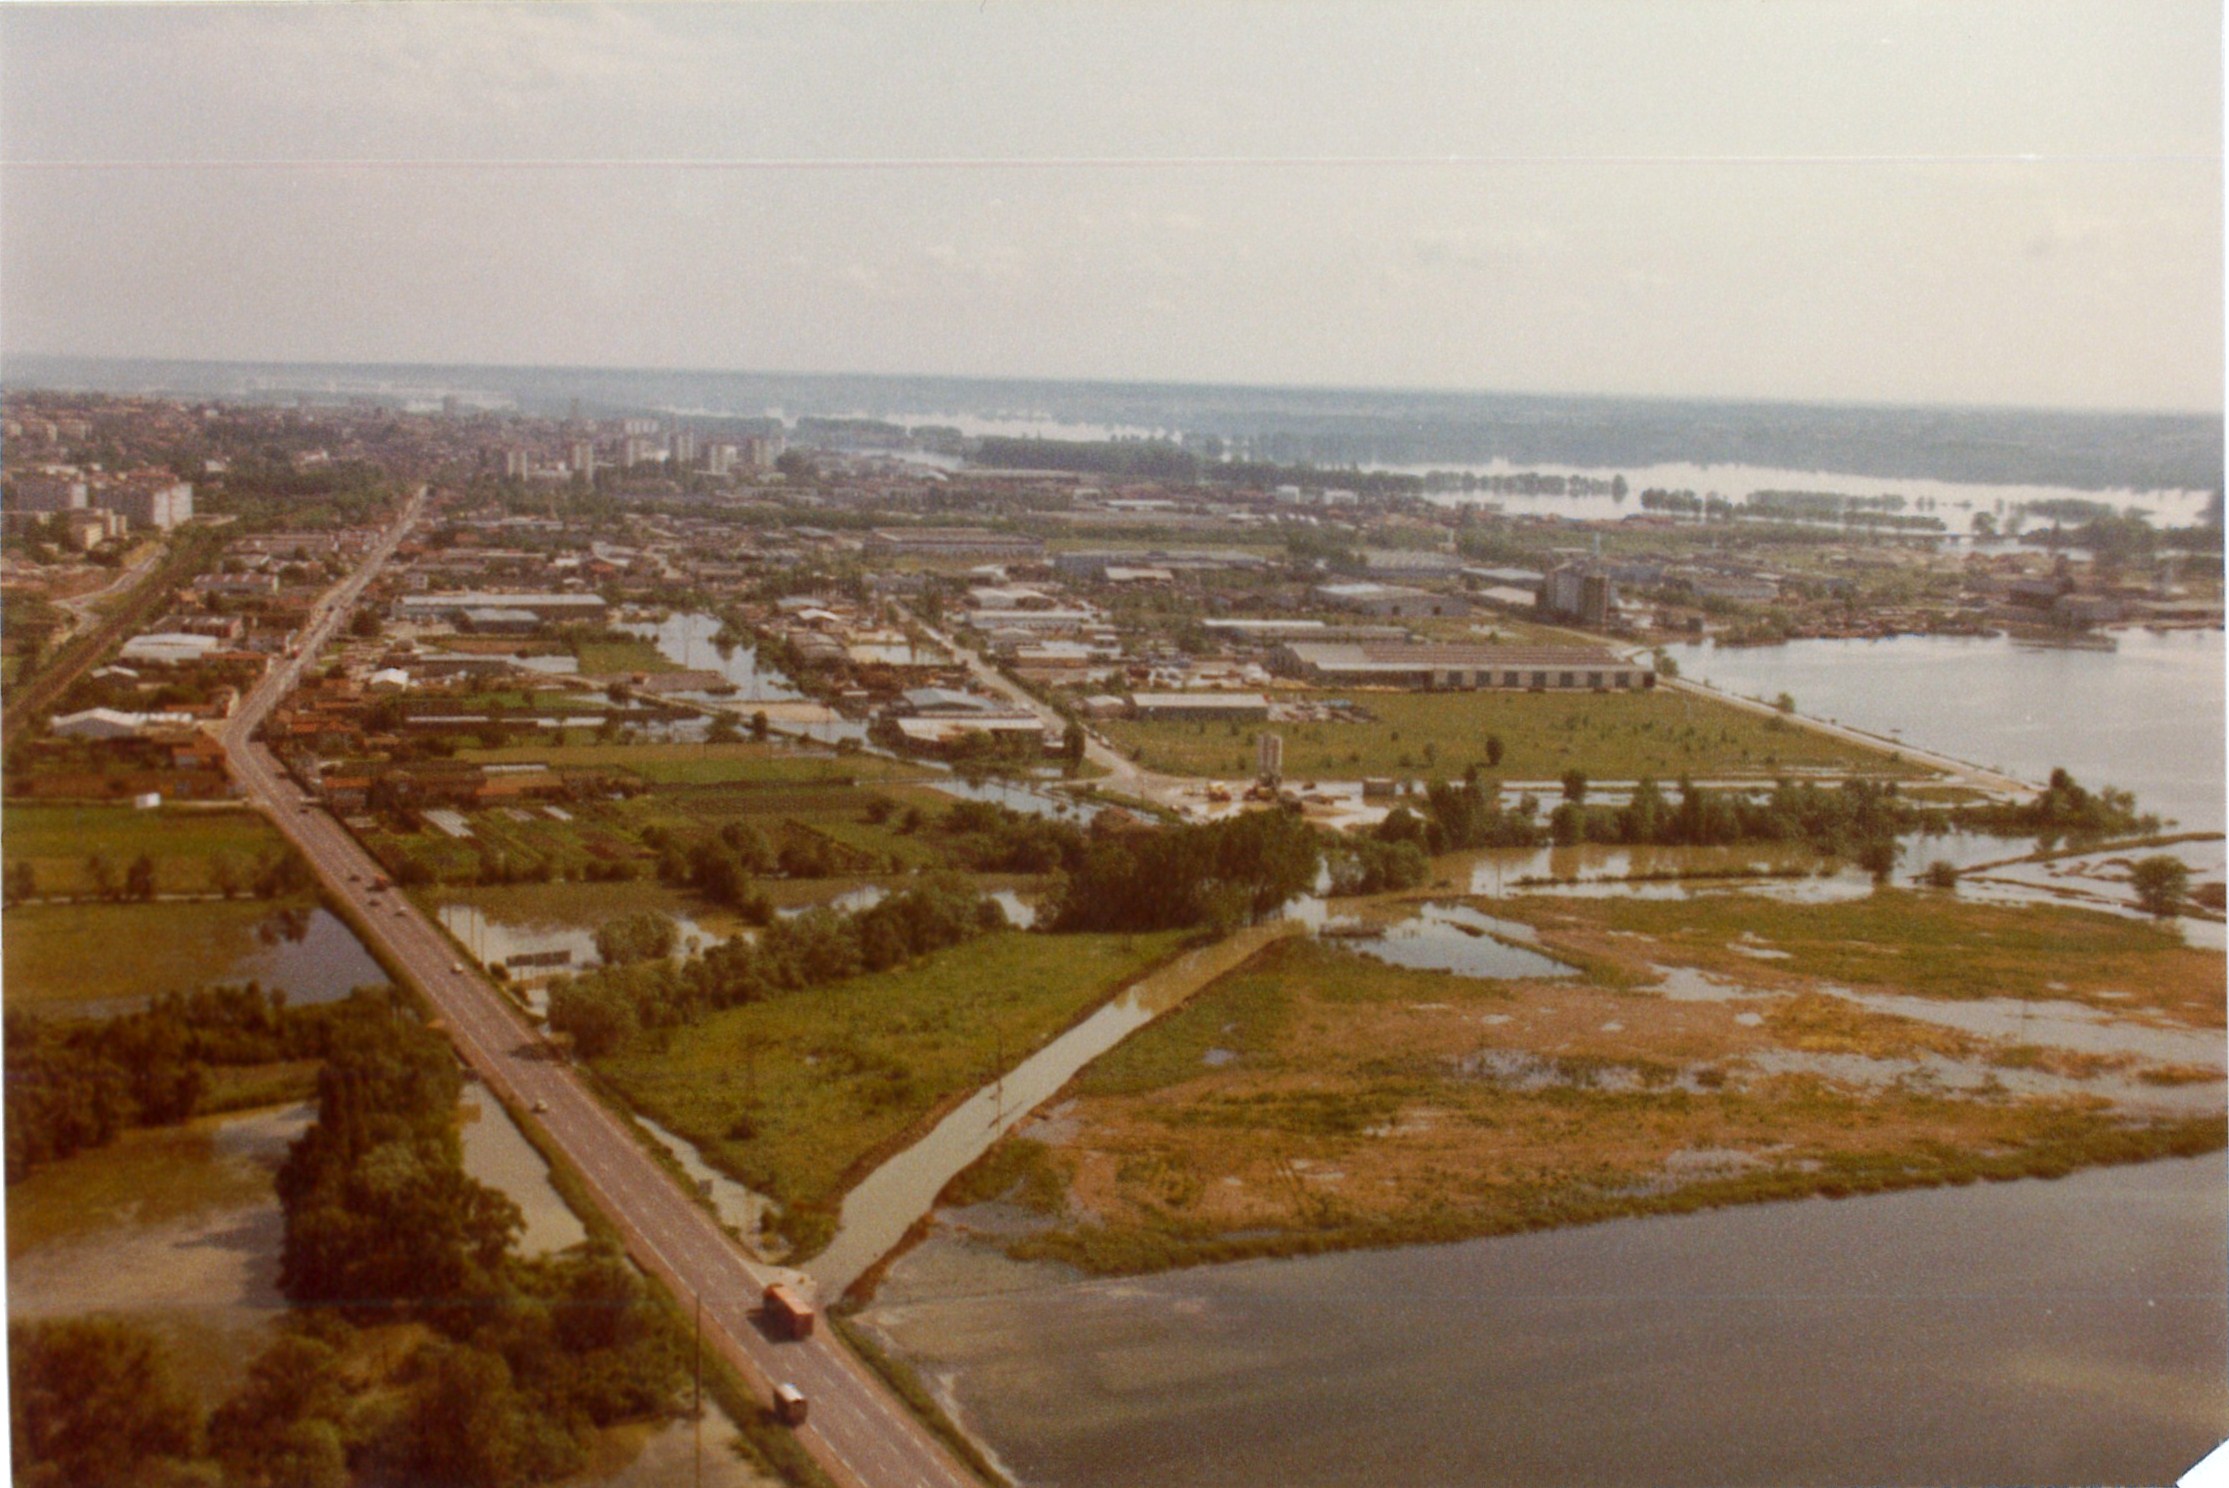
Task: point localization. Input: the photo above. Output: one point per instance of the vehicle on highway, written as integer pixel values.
(457, 967)
(788, 1314)
(540, 1106)
(789, 1405)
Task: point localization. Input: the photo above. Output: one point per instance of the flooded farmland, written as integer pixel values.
(2041, 1331)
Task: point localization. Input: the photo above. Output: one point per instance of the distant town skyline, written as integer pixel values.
(1974, 204)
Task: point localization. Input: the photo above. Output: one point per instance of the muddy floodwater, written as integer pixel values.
(174, 1227)
(2145, 717)
(2037, 1332)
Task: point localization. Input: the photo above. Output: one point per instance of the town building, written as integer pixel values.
(1463, 668)
(949, 542)
(1391, 600)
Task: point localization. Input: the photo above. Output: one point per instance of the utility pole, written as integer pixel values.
(998, 1115)
(696, 1412)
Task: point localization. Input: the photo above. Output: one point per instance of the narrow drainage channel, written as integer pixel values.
(878, 1212)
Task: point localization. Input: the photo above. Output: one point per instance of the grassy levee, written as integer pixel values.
(1606, 736)
(800, 1095)
(1110, 1251)
(905, 1382)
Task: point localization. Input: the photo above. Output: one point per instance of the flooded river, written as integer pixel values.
(2146, 717)
(2068, 1331)
(2020, 1332)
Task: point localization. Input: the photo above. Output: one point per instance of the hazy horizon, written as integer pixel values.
(1972, 205)
(16, 357)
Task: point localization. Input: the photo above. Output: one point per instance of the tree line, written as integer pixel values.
(74, 1084)
(602, 1010)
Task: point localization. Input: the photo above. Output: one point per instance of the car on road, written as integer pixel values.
(457, 967)
(540, 1106)
(789, 1405)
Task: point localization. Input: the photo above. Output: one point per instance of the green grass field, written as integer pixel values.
(66, 953)
(1608, 736)
(777, 796)
(704, 764)
(603, 658)
(792, 1094)
(186, 843)
(1930, 944)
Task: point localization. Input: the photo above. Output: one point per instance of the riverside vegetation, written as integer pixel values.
(1316, 1099)
(421, 1348)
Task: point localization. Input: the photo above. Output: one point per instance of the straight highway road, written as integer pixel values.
(858, 1431)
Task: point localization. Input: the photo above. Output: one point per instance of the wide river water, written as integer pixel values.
(2073, 1331)
(2030, 1332)
(2146, 717)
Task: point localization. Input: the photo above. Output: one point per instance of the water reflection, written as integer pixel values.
(306, 953)
(497, 1153)
(1453, 937)
(741, 1209)
(2069, 1331)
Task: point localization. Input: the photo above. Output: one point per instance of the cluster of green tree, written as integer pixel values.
(521, 1362)
(985, 837)
(275, 875)
(1220, 874)
(1858, 819)
(72, 1084)
(1131, 459)
(643, 936)
(723, 866)
(1335, 551)
(603, 1009)
(1375, 485)
(2063, 809)
(1526, 483)
(1459, 815)
(1369, 865)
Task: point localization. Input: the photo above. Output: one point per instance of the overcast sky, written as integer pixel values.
(2012, 203)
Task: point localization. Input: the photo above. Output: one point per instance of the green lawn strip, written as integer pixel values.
(64, 953)
(702, 764)
(795, 1096)
(1607, 736)
(905, 1382)
(603, 658)
(1934, 945)
(588, 904)
(184, 842)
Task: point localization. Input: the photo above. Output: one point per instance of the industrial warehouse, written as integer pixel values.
(1462, 668)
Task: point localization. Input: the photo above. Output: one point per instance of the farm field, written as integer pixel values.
(192, 847)
(703, 764)
(59, 954)
(1606, 736)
